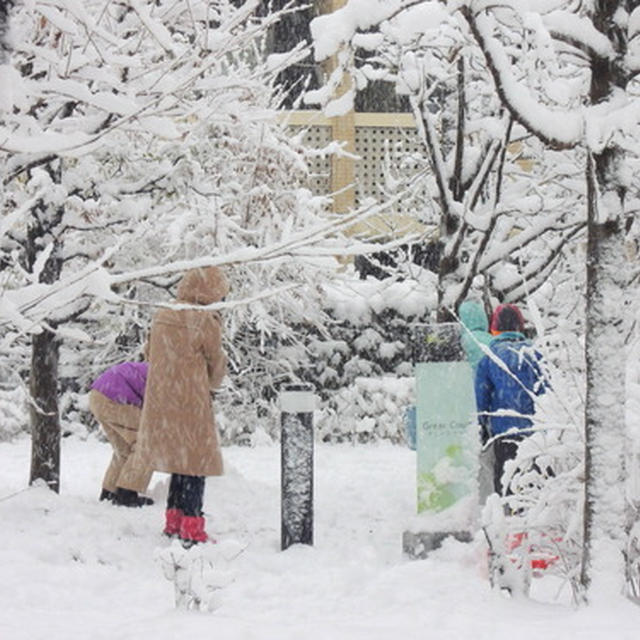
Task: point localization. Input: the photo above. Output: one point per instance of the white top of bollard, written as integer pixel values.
(297, 401)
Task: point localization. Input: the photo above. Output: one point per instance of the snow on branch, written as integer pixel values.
(164, 81)
(579, 32)
(26, 307)
(332, 31)
(155, 27)
(44, 142)
(560, 129)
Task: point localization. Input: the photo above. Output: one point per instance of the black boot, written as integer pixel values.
(107, 495)
(129, 498)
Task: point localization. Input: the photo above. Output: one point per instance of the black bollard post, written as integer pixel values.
(296, 404)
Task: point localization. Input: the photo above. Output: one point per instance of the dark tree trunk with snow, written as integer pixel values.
(604, 519)
(5, 6)
(43, 386)
(44, 234)
(605, 428)
(45, 421)
(450, 222)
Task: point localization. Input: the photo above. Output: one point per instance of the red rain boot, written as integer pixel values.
(173, 521)
(192, 530)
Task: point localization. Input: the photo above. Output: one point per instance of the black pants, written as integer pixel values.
(186, 493)
(504, 449)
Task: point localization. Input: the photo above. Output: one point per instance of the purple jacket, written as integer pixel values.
(124, 383)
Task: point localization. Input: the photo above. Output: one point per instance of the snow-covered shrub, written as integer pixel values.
(368, 409)
(364, 343)
(14, 416)
(75, 417)
(547, 475)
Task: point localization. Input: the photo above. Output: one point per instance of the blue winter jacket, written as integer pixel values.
(510, 391)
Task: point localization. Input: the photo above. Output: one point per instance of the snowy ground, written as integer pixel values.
(74, 568)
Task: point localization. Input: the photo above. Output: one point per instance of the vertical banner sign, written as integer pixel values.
(297, 403)
(445, 416)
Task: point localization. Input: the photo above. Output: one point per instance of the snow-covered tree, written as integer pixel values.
(566, 73)
(482, 202)
(600, 40)
(141, 139)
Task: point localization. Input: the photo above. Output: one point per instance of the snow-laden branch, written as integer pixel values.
(330, 32)
(580, 32)
(427, 133)
(560, 129)
(8, 220)
(27, 306)
(227, 305)
(543, 224)
(168, 93)
(475, 188)
(159, 32)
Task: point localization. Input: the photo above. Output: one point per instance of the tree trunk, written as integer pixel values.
(5, 6)
(45, 422)
(45, 347)
(603, 563)
(605, 429)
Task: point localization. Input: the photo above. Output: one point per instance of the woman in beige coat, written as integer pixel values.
(178, 434)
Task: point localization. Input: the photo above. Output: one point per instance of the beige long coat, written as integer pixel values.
(178, 433)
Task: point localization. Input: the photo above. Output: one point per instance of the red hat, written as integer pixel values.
(506, 317)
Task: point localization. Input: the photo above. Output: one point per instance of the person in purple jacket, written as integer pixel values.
(116, 400)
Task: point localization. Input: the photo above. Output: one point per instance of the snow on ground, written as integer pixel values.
(73, 568)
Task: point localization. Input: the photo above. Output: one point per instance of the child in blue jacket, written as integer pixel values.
(506, 384)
